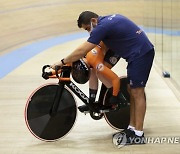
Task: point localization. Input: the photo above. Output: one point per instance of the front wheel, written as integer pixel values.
(39, 120)
(120, 118)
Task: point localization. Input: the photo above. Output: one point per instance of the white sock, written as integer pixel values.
(131, 127)
(138, 132)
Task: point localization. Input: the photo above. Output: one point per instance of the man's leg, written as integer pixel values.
(132, 110)
(139, 107)
(110, 60)
(134, 133)
(138, 74)
(93, 87)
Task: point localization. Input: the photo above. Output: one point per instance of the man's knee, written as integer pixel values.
(137, 92)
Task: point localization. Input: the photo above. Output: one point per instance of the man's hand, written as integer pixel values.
(59, 63)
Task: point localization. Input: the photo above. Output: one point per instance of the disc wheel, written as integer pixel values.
(119, 119)
(41, 123)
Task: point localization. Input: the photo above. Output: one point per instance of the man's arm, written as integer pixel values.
(78, 53)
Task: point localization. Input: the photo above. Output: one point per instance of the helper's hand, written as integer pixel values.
(59, 63)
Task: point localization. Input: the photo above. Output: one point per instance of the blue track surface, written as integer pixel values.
(12, 60)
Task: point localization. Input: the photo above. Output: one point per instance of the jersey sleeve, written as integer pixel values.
(98, 34)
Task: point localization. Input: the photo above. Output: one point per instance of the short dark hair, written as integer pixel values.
(85, 17)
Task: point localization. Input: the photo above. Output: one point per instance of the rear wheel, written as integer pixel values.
(120, 118)
(41, 122)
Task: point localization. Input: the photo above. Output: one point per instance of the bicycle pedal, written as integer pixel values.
(86, 112)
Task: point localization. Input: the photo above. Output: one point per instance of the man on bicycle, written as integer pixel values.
(128, 41)
(95, 60)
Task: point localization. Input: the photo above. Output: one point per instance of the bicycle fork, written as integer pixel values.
(57, 98)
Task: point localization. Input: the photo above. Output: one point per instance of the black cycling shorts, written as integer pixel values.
(111, 58)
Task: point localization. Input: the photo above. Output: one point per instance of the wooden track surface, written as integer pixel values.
(88, 136)
(23, 22)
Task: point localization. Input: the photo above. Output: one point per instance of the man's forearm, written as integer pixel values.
(74, 56)
(80, 52)
(77, 54)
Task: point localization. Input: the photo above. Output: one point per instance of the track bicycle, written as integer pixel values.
(51, 110)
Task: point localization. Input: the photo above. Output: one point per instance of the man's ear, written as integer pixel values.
(94, 20)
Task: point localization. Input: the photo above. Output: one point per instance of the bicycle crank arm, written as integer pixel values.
(107, 110)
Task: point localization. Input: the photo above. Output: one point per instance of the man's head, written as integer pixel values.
(87, 20)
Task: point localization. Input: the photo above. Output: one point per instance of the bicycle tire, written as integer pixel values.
(40, 122)
(119, 119)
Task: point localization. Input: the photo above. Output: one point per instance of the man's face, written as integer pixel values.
(86, 27)
(89, 27)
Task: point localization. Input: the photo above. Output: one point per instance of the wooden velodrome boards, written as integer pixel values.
(23, 22)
